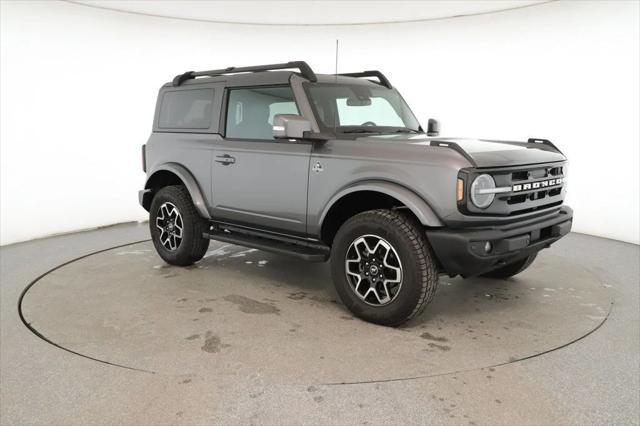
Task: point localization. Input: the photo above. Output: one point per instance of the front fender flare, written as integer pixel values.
(189, 182)
(414, 202)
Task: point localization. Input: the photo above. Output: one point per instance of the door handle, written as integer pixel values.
(225, 159)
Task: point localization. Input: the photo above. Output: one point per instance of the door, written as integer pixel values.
(259, 181)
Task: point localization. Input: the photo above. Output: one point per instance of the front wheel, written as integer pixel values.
(511, 269)
(382, 267)
(176, 227)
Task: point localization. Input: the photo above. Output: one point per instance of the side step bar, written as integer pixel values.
(306, 250)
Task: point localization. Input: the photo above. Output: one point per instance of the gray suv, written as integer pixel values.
(279, 158)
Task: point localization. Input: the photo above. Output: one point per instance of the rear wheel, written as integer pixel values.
(382, 267)
(176, 227)
(511, 269)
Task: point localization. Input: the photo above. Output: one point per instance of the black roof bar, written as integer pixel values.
(383, 80)
(304, 68)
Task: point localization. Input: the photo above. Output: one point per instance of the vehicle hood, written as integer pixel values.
(483, 152)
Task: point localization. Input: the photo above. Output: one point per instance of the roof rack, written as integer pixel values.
(383, 80)
(304, 68)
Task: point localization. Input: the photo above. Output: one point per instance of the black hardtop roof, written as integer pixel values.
(269, 74)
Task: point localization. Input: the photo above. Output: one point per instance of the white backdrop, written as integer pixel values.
(78, 88)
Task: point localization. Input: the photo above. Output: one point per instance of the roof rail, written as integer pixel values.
(383, 80)
(304, 68)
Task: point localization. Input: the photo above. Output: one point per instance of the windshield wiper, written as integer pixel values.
(407, 131)
(359, 131)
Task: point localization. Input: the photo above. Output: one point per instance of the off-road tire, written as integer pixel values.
(419, 273)
(511, 269)
(193, 246)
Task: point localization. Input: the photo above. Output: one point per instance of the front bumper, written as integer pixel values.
(461, 251)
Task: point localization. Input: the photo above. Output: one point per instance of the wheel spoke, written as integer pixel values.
(386, 289)
(366, 294)
(357, 285)
(383, 244)
(361, 241)
(178, 229)
(383, 300)
(398, 277)
(397, 270)
(173, 213)
(354, 274)
(377, 295)
(160, 220)
(164, 238)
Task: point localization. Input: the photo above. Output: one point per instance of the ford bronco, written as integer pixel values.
(319, 167)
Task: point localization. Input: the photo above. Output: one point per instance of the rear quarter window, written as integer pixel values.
(186, 109)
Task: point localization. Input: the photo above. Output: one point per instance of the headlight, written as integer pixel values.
(480, 197)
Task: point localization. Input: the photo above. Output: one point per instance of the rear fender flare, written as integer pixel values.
(189, 182)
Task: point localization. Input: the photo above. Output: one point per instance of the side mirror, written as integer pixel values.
(433, 128)
(290, 126)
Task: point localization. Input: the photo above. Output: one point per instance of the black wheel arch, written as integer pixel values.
(372, 195)
(174, 174)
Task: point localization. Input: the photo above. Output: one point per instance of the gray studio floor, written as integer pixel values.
(248, 337)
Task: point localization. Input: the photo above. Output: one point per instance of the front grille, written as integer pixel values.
(537, 173)
(535, 190)
(517, 199)
(517, 176)
(523, 198)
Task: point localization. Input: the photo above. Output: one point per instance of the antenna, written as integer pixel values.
(335, 112)
(337, 46)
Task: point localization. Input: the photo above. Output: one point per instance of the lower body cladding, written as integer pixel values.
(474, 251)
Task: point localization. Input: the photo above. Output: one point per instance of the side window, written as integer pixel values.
(250, 112)
(186, 109)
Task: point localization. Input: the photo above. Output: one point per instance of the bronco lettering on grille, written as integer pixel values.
(536, 185)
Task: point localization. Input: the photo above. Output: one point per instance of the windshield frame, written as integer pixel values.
(350, 129)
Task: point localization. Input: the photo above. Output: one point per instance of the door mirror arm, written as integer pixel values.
(316, 137)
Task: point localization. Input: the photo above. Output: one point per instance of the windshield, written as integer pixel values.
(361, 109)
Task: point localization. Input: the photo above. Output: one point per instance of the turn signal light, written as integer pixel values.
(460, 190)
